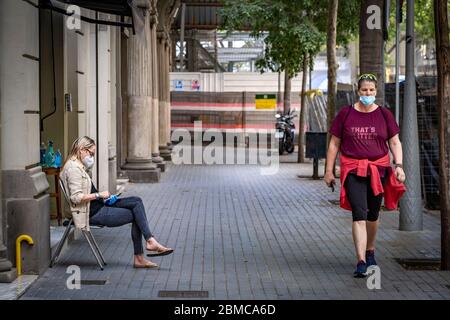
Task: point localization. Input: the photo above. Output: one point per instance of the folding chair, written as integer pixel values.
(87, 234)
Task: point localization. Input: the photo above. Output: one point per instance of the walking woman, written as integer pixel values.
(88, 206)
(363, 133)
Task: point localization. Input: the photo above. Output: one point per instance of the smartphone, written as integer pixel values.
(332, 186)
(117, 195)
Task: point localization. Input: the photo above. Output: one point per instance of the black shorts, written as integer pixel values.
(365, 205)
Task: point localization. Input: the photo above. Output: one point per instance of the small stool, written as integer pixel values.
(51, 171)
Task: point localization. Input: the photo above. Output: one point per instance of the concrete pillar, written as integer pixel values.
(139, 164)
(104, 105)
(90, 116)
(156, 158)
(83, 77)
(166, 14)
(163, 104)
(25, 206)
(167, 96)
(112, 134)
(411, 209)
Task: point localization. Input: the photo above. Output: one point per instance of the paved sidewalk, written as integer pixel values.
(240, 235)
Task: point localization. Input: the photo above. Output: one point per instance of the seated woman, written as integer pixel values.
(88, 205)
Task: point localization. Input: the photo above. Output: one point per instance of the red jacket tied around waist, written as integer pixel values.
(392, 190)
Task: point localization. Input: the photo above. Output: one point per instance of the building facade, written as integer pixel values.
(62, 78)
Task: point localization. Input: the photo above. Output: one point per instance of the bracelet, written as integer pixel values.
(398, 165)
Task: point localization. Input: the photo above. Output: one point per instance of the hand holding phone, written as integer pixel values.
(332, 186)
(111, 200)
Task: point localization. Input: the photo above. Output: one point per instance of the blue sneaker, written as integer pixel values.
(361, 270)
(370, 258)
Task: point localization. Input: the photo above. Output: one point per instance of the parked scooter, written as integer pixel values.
(285, 131)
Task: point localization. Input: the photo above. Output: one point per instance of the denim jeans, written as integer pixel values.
(124, 211)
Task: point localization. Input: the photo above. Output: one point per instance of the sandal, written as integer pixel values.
(160, 251)
(148, 265)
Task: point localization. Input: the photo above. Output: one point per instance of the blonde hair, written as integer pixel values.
(81, 143)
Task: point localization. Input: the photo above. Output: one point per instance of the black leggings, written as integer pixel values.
(365, 205)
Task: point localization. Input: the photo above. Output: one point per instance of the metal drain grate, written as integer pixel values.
(93, 282)
(183, 294)
(420, 264)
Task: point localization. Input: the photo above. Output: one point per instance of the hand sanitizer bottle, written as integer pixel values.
(50, 155)
(58, 159)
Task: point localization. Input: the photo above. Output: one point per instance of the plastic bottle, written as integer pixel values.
(50, 155)
(42, 152)
(58, 159)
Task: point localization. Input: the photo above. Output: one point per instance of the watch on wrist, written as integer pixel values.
(398, 165)
(97, 196)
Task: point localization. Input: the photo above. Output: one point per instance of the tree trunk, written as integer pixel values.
(443, 67)
(287, 92)
(301, 127)
(332, 65)
(371, 44)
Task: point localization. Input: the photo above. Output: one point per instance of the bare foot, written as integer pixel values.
(153, 245)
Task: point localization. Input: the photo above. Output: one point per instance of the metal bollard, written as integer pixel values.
(19, 239)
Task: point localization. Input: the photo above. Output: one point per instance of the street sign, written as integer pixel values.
(178, 85)
(266, 101)
(195, 85)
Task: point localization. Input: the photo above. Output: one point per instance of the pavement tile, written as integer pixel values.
(242, 235)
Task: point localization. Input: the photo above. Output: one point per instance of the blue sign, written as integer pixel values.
(178, 85)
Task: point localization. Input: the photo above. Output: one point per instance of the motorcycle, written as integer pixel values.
(285, 131)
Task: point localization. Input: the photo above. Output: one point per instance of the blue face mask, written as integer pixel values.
(367, 100)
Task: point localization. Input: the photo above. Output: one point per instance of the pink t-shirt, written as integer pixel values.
(364, 135)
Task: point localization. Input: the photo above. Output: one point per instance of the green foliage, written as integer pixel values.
(288, 47)
(423, 25)
(423, 20)
(347, 19)
(295, 28)
(291, 33)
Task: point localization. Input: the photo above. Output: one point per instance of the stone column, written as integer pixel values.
(156, 158)
(166, 15)
(139, 164)
(167, 87)
(163, 105)
(171, 62)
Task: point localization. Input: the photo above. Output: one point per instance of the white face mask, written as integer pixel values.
(88, 161)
